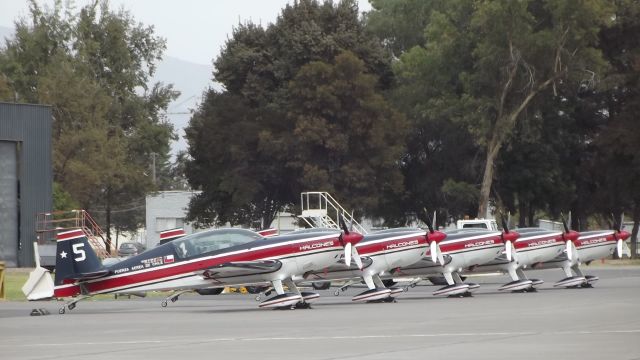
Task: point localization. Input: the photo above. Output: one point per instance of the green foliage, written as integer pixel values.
(483, 63)
(301, 108)
(347, 139)
(92, 67)
(62, 200)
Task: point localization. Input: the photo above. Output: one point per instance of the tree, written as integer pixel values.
(618, 144)
(484, 62)
(93, 67)
(346, 138)
(242, 140)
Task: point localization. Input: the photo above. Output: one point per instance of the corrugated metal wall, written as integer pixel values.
(30, 126)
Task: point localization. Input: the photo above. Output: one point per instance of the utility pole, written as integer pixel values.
(153, 164)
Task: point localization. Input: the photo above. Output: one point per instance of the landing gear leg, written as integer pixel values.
(294, 289)
(343, 288)
(72, 304)
(266, 292)
(449, 278)
(174, 297)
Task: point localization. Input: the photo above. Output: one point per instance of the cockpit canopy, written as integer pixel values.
(213, 240)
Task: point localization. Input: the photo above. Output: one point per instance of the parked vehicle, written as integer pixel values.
(130, 249)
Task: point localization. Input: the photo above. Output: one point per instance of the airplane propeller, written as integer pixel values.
(350, 250)
(508, 239)
(434, 238)
(570, 237)
(616, 226)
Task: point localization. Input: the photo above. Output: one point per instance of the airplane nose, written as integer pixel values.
(623, 235)
(571, 236)
(510, 236)
(436, 236)
(352, 237)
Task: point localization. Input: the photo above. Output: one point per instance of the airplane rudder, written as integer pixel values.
(74, 255)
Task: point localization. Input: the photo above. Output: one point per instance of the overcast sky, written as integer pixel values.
(195, 29)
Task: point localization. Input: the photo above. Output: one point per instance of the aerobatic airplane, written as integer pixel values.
(534, 247)
(462, 250)
(209, 259)
(590, 246)
(404, 252)
(382, 252)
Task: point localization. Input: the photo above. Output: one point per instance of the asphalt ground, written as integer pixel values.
(598, 323)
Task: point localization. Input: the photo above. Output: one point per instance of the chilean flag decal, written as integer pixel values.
(168, 259)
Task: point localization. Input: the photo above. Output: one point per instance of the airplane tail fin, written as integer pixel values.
(75, 258)
(170, 235)
(268, 232)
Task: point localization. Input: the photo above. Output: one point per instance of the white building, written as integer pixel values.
(168, 210)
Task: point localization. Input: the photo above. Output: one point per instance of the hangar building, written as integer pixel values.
(26, 178)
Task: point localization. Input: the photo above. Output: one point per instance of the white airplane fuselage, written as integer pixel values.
(461, 250)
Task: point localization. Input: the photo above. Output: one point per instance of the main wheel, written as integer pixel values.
(438, 280)
(321, 285)
(388, 283)
(61, 311)
(163, 303)
(255, 289)
(213, 291)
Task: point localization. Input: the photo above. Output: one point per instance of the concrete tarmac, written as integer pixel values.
(598, 323)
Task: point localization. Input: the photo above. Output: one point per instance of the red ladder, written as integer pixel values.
(48, 225)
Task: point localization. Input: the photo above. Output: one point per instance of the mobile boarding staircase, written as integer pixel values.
(49, 224)
(321, 210)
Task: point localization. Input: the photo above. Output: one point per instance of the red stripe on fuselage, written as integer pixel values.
(524, 243)
(595, 239)
(392, 244)
(469, 245)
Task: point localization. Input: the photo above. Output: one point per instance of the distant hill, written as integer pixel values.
(191, 80)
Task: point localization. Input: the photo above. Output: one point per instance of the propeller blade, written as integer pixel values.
(508, 248)
(440, 257)
(351, 225)
(343, 224)
(564, 223)
(433, 248)
(347, 254)
(356, 257)
(619, 248)
(569, 252)
(429, 221)
(505, 226)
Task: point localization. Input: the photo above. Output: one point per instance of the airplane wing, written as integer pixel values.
(338, 271)
(241, 268)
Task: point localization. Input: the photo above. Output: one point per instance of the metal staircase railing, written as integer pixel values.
(48, 225)
(320, 209)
